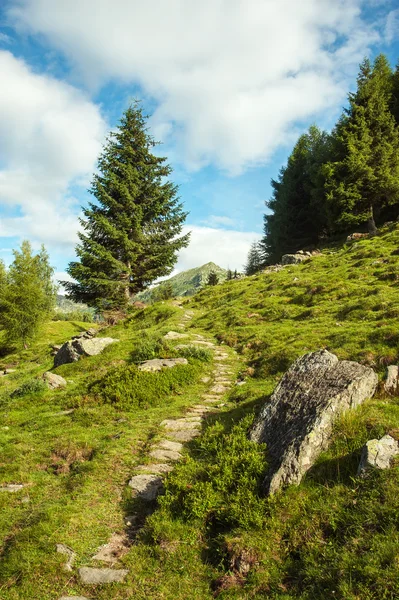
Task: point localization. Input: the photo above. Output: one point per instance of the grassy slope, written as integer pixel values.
(332, 537)
(76, 466)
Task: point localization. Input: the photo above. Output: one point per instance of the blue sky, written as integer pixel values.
(228, 85)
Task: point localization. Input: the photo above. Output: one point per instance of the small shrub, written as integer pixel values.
(150, 346)
(202, 354)
(32, 386)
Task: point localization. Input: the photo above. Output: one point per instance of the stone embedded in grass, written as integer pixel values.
(157, 468)
(53, 381)
(184, 435)
(93, 576)
(69, 553)
(378, 454)
(219, 389)
(157, 364)
(174, 425)
(73, 350)
(296, 422)
(168, 445)
(73, 598)
(160, 454)
(12, 487)
(146, 487)
(391, 385)
(174, 335)
(117, 546)
(205, 379)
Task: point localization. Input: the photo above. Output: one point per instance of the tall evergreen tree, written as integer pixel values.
(254, 259)
(28, 295)
(131, 235)
(366, 178)
(213, 278)
(298, 205)
(394, 104)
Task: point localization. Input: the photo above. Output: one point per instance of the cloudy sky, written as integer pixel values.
(229, 85)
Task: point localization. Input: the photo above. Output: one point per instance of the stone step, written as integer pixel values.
(157, 468)
(146, 487)
(165, 455)
(94, 576)
(184, 435)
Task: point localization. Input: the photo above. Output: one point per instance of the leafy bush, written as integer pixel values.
(127, 387)
(32, 386)
(150, 346)
(202, 354)
(221, 485)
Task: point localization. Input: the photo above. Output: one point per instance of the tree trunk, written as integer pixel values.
(371, 223)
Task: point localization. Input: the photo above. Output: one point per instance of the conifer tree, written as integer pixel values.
(131, 235)
(229, 274)
(254, 259)
(366, 179)
(27, 296)
(213, 279)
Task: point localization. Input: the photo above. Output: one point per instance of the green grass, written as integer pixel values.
(213, 533)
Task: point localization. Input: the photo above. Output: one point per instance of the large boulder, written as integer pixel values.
(72, 351)
(296, 422)
(293, 259)
(378, 454)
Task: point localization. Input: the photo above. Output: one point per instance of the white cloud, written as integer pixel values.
(214, 221)
(392, 26)
(50, 136)
(230, 78)
(226, 248)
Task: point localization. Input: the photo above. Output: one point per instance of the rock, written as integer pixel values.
(158, 468)
(175, 425)
(146, 487)
(356, 236)
(378, 454)
(72, 351)
(174, 335)
(73, 598)
(99, 576)
(296, 422)
(116, 547)
(69, 553)
(160, 454)
(66, 354)
(54, 381)
(157, 364)
(184, 435)
(12, 487)
(391, 384)
(168, 445)
(205, 379)
(219, 389)
(293, 259)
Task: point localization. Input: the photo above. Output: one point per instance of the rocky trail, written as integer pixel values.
(147, 479)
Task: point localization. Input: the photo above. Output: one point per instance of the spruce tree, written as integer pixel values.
(254, 259)
(131, 235)
(213, 279)
(366, 178)
(27, 296)
(229, 274)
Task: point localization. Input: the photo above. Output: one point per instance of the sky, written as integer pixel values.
(228, 85)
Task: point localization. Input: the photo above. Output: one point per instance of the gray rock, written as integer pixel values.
(168, 445)
(174, 335)
(184, 435)
(157, 364)
(157, 468)
(296, 422)
(54, 381)
(178, 424)
(160, 454)
(69, 553)
(391, 385)
(12, 487)
(146, 487)
(73, 598)
(111, 552)
(293, 259)
(72, 351)
(378, 454)
(101, 576)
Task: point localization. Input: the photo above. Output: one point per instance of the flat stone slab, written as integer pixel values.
(168, 445)
(73, 598)
(53, 380)
(157, 468)
(296, 422)
(12, 487)
(93, 576)
(69, 553)
(111, 552)
(174, 335)
(160, 454)
(146, 487)
(172, 425)
(219, 389)
(157, 364)
(378, 454)
(184, 435)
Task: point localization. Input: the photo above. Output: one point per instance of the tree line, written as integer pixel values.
(336, 181)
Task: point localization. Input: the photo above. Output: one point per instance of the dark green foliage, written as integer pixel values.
(229, 275)
(150, 346)
(127, 387)
(254, 260)
(299, 213)
(32, 386)
(221, 486)
(27, 294)
(213, 279)
(365, 179)
(202, 354)
(131, 234)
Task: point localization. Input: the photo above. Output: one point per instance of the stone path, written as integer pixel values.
(147, 480)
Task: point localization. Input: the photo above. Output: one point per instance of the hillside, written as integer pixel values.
(186, 283)
(212, 533)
